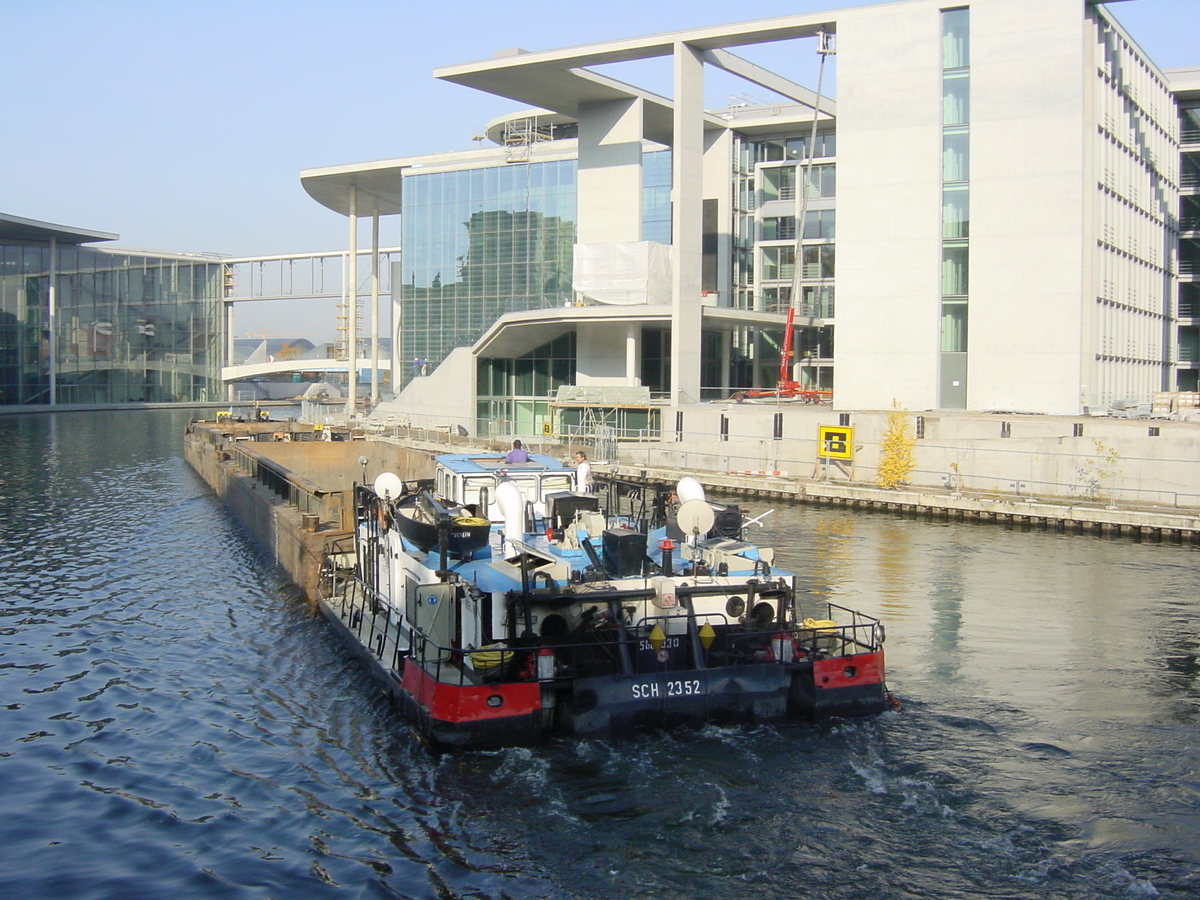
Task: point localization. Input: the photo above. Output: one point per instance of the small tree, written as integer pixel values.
(896, 457)
(1100, 473)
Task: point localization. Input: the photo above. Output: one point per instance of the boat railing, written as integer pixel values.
(610, 648)
(364, 611)
(863, 634)
(731, 644)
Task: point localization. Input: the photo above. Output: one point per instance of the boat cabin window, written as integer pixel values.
(472, 486)
(553, 483)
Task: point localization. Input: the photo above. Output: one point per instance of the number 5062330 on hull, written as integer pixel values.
(502, 603)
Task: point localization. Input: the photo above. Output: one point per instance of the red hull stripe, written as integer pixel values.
(469, 702)
(848, 671)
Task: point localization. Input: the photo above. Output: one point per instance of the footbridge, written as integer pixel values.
(312, 276)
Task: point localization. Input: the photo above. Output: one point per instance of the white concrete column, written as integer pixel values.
(726, 360)
(52, 315)
(633, 353)
(230, 337)
(609, 177)
(687, 162)
(375, 307)
(352, 301)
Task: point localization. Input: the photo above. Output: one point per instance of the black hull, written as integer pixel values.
(462, 539)
(613, 706)
(452, 717)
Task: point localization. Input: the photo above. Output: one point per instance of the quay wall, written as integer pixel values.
(1144, 462)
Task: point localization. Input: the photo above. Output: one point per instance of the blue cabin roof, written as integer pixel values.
(480, 463)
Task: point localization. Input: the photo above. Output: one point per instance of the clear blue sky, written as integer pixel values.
(184, 124)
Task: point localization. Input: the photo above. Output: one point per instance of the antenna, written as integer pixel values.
(388, 486)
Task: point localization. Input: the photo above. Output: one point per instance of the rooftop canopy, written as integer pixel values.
(14, 228)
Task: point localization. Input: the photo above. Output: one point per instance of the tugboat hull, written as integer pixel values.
(573, 621)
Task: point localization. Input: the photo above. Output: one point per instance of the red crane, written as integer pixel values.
(785, 387)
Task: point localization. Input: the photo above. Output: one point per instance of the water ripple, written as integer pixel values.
(175, 723)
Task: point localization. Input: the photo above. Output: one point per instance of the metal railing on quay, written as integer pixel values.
(1098, 478)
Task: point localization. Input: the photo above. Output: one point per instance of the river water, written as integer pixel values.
(174, 723)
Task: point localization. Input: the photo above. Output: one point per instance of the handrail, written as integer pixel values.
(376, 624)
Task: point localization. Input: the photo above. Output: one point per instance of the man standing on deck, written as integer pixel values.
(583, 474)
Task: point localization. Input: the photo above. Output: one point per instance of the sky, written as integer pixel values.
(183, 125)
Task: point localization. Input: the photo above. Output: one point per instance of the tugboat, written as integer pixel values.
(504, 603)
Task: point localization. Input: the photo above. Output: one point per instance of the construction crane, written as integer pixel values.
(786, 388)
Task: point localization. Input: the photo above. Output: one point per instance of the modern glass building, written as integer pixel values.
(81, 324)
(973, 222)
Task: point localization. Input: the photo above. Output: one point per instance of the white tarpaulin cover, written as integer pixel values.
(624, 274)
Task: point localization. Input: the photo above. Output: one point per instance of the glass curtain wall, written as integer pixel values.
(767, 228)
(479, 243)
(1187, 375)
(956, 114)
(129, 328)
(656, 196)
(24, 338)
(513, 395)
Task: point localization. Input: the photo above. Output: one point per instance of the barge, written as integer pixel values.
(505, 603)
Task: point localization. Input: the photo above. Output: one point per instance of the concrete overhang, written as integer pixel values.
(556, 79)
(14, 228)
(378, 185)
(515, 334)
(252, 370)
(1184, 83)
(565, 91)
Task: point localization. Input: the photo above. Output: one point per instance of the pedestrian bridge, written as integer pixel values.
(279, 367)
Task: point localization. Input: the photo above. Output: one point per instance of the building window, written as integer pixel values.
(818, 301)
(776, 299)
(954, 270)
(818, 261)
(954, 326)
(956, 216)
(955, 144)
(956, 46)
(956, 98)
(781, 228)
(779, 263)
(819, 224)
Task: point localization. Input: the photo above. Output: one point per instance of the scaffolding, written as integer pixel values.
(521, 134)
